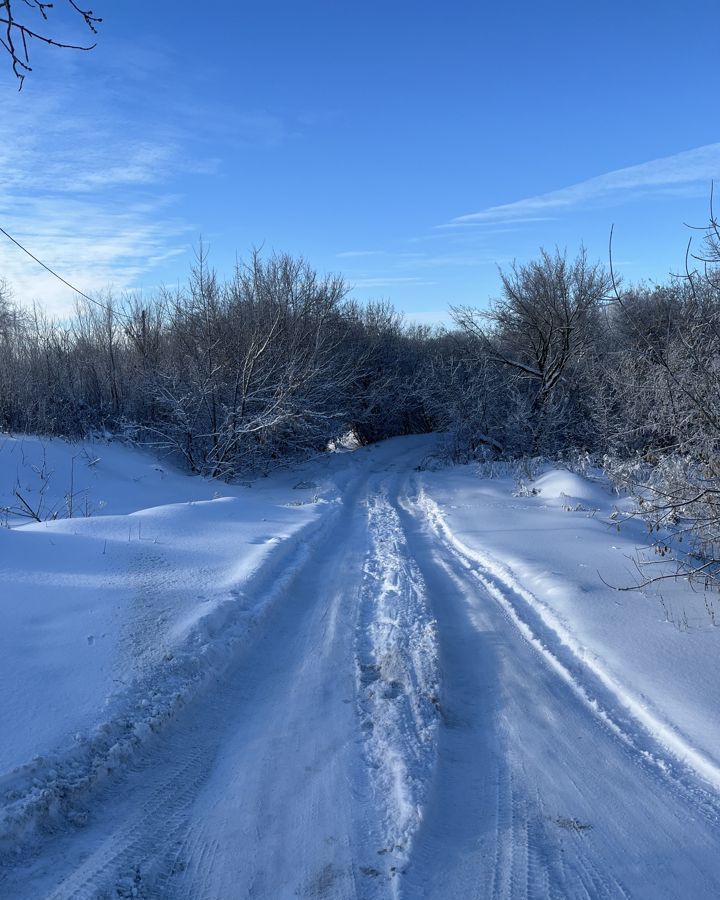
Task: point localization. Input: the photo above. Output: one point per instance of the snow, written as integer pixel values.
(355, 678)
(102, 613)
(561, 552)
(397, 660)
(560, 484)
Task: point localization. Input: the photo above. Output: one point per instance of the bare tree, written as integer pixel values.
(542, 323)
(18, 32)
(540, 330)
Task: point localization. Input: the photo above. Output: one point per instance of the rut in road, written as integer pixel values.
(534, 795)
(270, 784)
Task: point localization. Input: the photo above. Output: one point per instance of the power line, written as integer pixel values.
(63, 280)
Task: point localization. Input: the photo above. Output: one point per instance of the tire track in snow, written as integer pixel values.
(131, 851)
(474, 839)
(533, 797)
(51, 792)
(266, 793)
(120, 867)
(306, 822)
(651, 740)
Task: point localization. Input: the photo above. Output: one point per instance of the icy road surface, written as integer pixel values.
(401, 722)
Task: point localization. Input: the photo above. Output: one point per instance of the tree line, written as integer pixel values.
(226, 376)
(277, 361)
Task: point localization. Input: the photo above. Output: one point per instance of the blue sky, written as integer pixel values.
(412, 146)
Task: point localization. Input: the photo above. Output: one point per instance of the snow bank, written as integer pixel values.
(560, 484)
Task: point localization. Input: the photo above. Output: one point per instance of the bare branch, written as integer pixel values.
(18, 33)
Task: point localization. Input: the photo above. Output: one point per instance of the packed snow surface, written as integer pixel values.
(366, 677)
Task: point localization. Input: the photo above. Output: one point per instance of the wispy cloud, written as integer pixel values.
(85, 197)
(467, 222)
(670, 173)
(94, 189)
(93, 246)
(382, 281)
(360, 254)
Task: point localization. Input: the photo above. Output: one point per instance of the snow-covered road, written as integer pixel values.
(401, 724)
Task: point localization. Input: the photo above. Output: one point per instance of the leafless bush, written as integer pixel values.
(540, 332)
(225, 376)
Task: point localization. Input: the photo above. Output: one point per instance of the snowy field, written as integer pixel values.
(362, 678)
